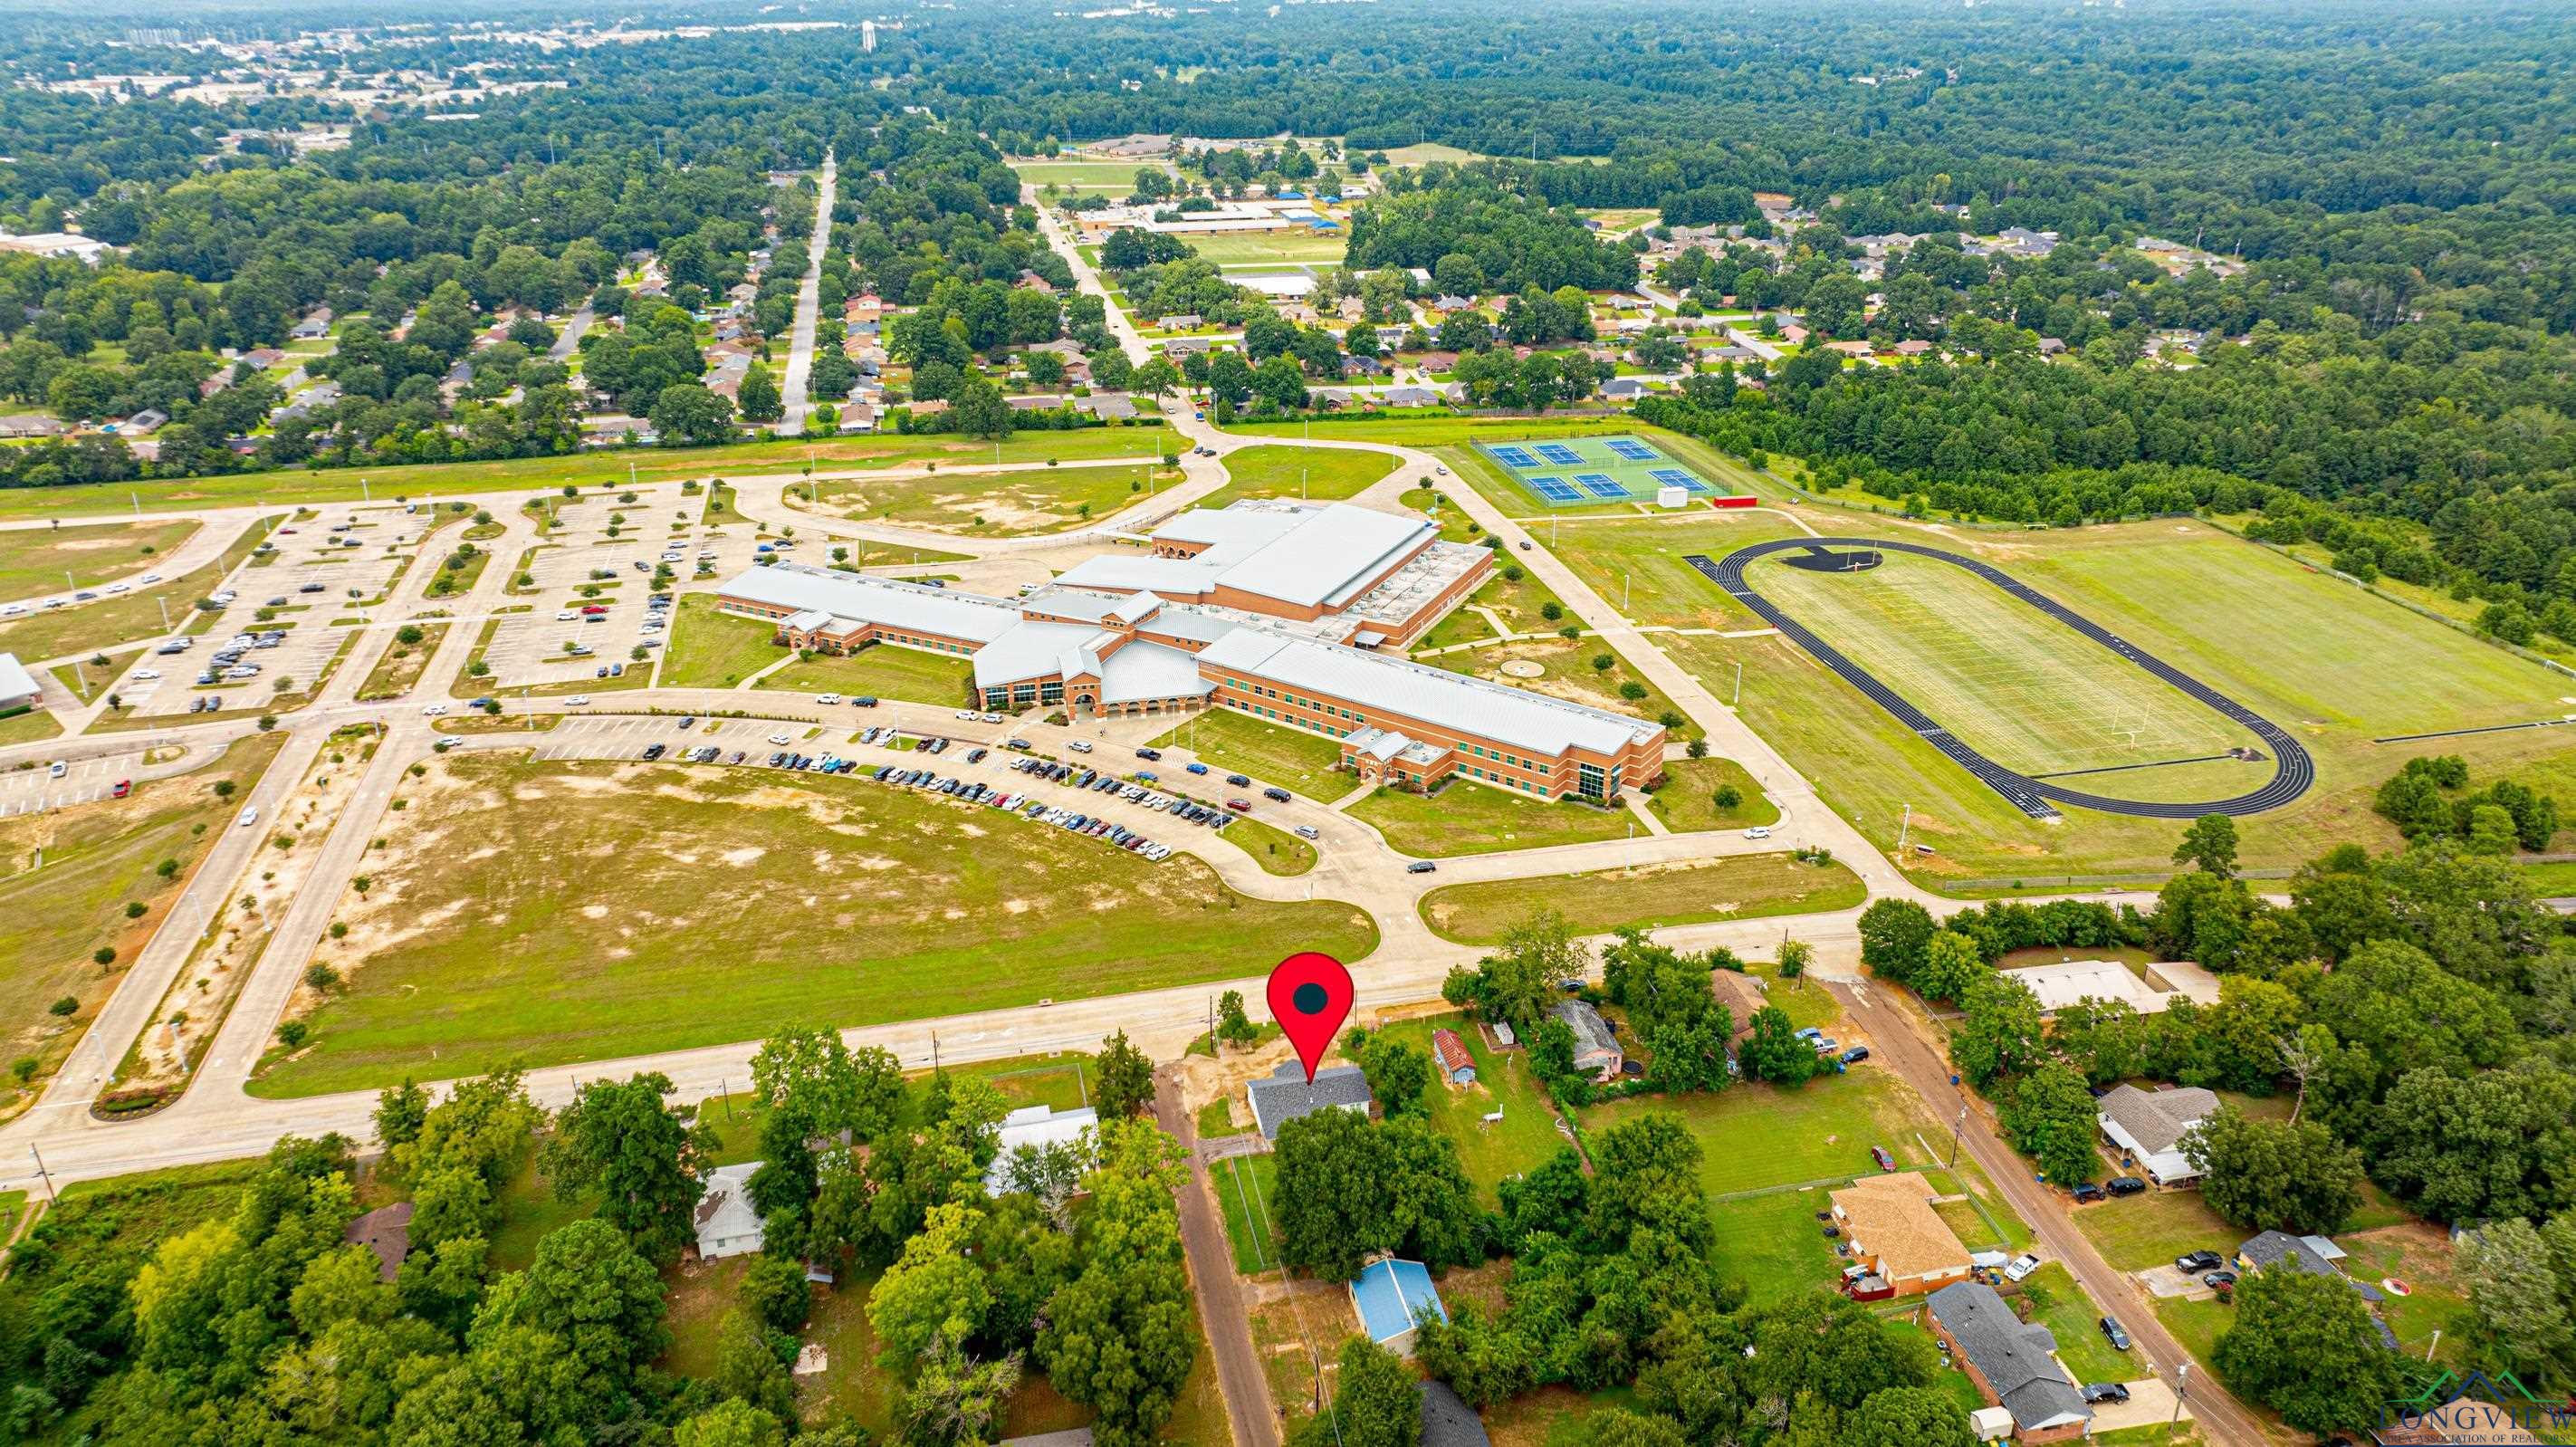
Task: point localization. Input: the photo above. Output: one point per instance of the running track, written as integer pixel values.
(2293, 770)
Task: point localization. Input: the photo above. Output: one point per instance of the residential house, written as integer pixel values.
(1913, 347)
(1596, 1050)
(1107, 406)
(2314, 1255)
(263, 358)
(30, 424)
(1035, 1126)
(2148, 1127)
(726, 1223)
(1181, 322)
(1286, 1095)
(1742, 995)
(1455, 1062)
(1896, 1235)
(386, 1231)
(143, 423)
(1363, 367)
(2012, 1362)
(315, 326)
(1410, 396)
(1393, 1297)
(1447, 1420)
(1623, 389)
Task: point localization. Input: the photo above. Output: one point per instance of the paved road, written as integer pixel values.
(800, 353)
(1221, 1310)
(568, 341)
(1899, 1040)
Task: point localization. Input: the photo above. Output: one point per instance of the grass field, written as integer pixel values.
(1688, 800)
(1317, 474)
(1275, 850)
(608, 910)
(1452, 430)
(587, 470)
(711, 648)
(1520, 603)
(993, 504)
(2136, 1232)
(886, 670)
(1491, 1154)
(1591, 470)
(400, 665)
(1466, 817)
(1245, 1187)
(2071, 1317)
(1235, 248)
(124, 618)
(96, 859)
(1118, 176)
(1655, 895)
(2332, 664)
(2019, 686)
(1267, 753)
(1758, 1137)
(1773, 1243)
(1566, 670)
(33, 561)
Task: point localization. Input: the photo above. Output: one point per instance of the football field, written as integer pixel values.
(1590, 471)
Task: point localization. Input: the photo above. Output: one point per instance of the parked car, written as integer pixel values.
(1420, 866)
(2115, 1334)
(1149, 754)
(2199, 1261)
(1855, 1055)
(2100, 1393)
(2220, 1281)
(2125, 1185)
(1308, 831)
(123, 788)
(1197, 768)
(1080, 746)
(1275, 794)
(1885, 1161)
(2022, 1265)
(2086, 1192)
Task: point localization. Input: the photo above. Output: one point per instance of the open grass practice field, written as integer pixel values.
(1652, 895)
(2321, 658)
(1567, 669)
(711, 648)
(1229, 248)
(1264, 752)
(128, 616)
(34, 560)
(1688, 799)
(1085, 175)
(551, 912)
(994, 504)
(1316, 474)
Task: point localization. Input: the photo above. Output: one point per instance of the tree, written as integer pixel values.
(2209, 846)
(2306, 1347)
(647, 1160)
(777, 1294)
(2051, 1117)
(1909, 1417)
(400, 1111)
(1118, 1337)
(758, 397)
(2003, 1034)
(1374, 1402)
(1233, 1026)
(1518, 983)
(1951, 967)
(1398, 1075)
(934, 1289)
(955, 1398)
(1774, 1052)
(1349, 1186)
(1124, 1082)
(732, 1423)
(1894, 933)
(687, 413)
(979, 409)
(2266, 1175)
(2522, 1296)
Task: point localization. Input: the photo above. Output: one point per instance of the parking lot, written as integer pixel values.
(625, 738)
(299, 654)
(32, 791)
(530, 648)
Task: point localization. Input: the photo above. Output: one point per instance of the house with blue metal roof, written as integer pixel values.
(1392, 1298)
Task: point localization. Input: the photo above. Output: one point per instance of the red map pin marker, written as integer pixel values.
(1310, 995)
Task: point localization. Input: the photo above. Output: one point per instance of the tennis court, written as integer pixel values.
(1591, 471)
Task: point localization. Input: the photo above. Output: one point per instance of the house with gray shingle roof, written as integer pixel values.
(1286, 1094)
(2013, 1362)
(1596, 1050)
(2149, 1125)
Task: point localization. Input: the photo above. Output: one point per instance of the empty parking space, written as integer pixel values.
(31, 791)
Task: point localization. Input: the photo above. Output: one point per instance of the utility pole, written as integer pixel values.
(2182, 1389)
(1903, 827)
(165, 611)
(1739, 685)
(43, 1174)
(363, 492)
(1955, 1127)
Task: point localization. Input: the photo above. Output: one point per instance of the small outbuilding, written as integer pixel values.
(1455, 1062)
(727, 1225)
(386, 1231)
(1392, 1298)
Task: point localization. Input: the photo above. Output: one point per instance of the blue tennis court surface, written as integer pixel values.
(1516, 457)
(1675, 477)
(1632, 449)
(1554, 489)
(1559, 453)
(1622, 471)
(1601, 484)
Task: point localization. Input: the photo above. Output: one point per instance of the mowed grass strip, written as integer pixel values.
(1275, 850)
(1491, 1153)
(711, 648)
(1757, 1137)
(551, 912)
(993, 504)
(1317, 474)
(1687, 803)
(887, 670)
(128, 616)
(33, 561)
(1754, 886)
(1264, 752)
(1465, 817)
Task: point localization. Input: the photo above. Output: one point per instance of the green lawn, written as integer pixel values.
(1521, 603)
(886, 670)
(1276, 850)
(621, 909)
(2136, 1232)
(1758, 1137)
(1688, 800)
(1245, 1188)
(124, 618)
(1774, 1244)
(994, 504)
(400, 665)
(2071, 1317)
(1526, 1135)
(1655, 895)
(1235, 248)
(1568, 669)
(1267, 753)
(711, 648)
(1466, 817)
(34, 561)
(1449, 429)
(96, 859)
(593, 470)
(1090, 175)
(1316, 474)
(28, 726)
(2197, 1325)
